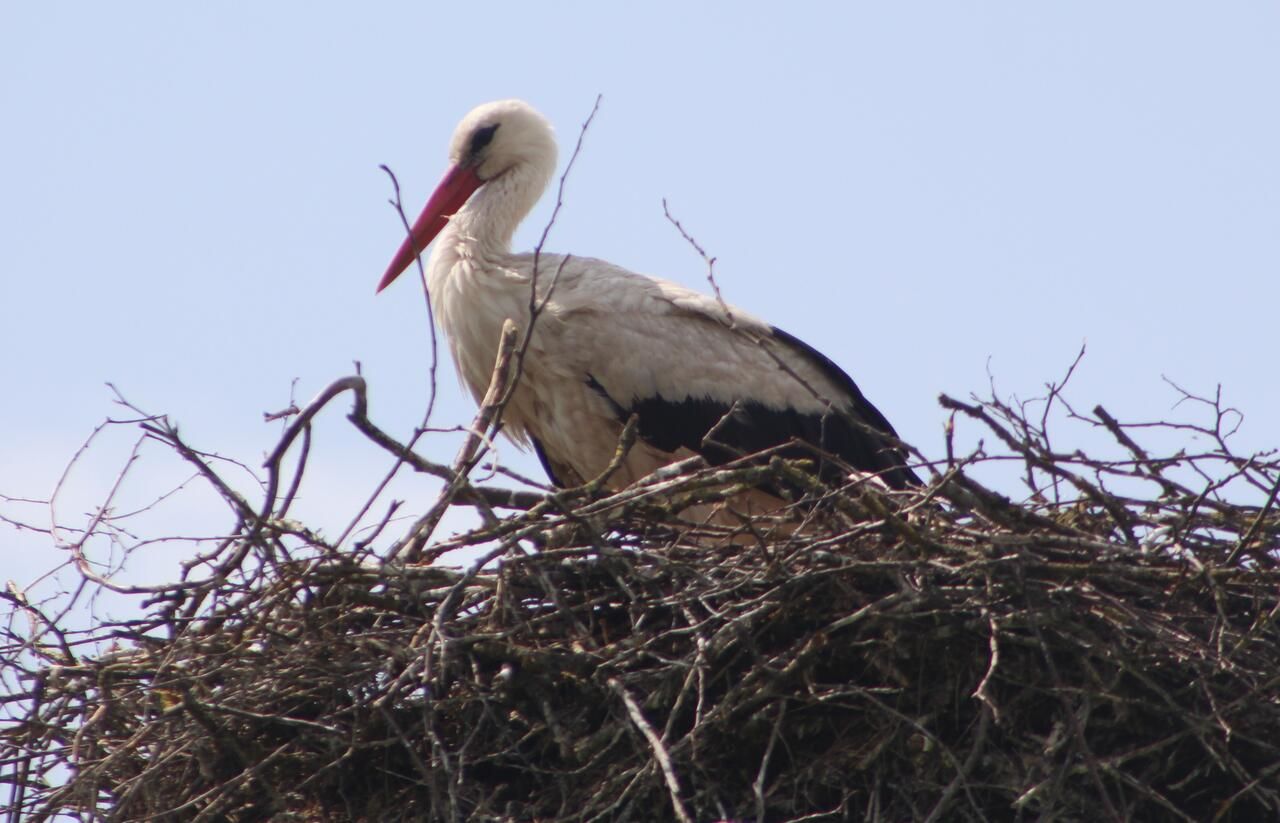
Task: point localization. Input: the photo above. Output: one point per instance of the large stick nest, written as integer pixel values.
(942, 654)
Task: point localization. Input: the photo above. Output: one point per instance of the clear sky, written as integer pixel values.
(191, 205)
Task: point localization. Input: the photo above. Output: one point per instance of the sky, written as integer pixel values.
(191, 208)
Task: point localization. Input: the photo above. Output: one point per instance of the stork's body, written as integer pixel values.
(609, 343)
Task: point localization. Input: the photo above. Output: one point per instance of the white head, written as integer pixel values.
(504, 142)
(495, 137)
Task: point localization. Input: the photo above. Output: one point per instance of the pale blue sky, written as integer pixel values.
(191, 206)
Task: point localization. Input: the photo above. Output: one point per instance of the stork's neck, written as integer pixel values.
(489, 219)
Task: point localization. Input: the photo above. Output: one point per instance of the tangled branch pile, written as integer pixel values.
(944, 654)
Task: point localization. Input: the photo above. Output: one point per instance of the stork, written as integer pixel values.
(701, 376)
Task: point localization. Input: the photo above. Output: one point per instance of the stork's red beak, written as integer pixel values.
(458, 184)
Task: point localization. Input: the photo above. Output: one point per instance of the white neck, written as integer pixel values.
(489, 219)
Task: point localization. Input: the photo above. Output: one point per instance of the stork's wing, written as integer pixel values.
(844, 437)
(671, 357)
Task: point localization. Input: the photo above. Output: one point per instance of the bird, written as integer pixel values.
(700, 377)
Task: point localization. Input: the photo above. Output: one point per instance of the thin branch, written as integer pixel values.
(659, 750)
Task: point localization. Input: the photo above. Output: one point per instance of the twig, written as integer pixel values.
(659, 750)
(479, 433)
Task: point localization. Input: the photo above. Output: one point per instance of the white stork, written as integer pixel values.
(611, 343)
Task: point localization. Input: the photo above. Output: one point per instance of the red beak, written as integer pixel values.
(458, 184)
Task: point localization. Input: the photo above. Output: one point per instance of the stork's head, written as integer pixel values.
(494, 137)
(493, 141)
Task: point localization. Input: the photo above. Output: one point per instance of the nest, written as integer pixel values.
(935, 654)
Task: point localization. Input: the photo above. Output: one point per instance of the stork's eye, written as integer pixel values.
(483, 137)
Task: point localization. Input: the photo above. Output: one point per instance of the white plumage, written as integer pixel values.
(609, 342)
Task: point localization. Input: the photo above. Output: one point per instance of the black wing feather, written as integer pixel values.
(556, 479)
(849, 441)
(721, 432)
